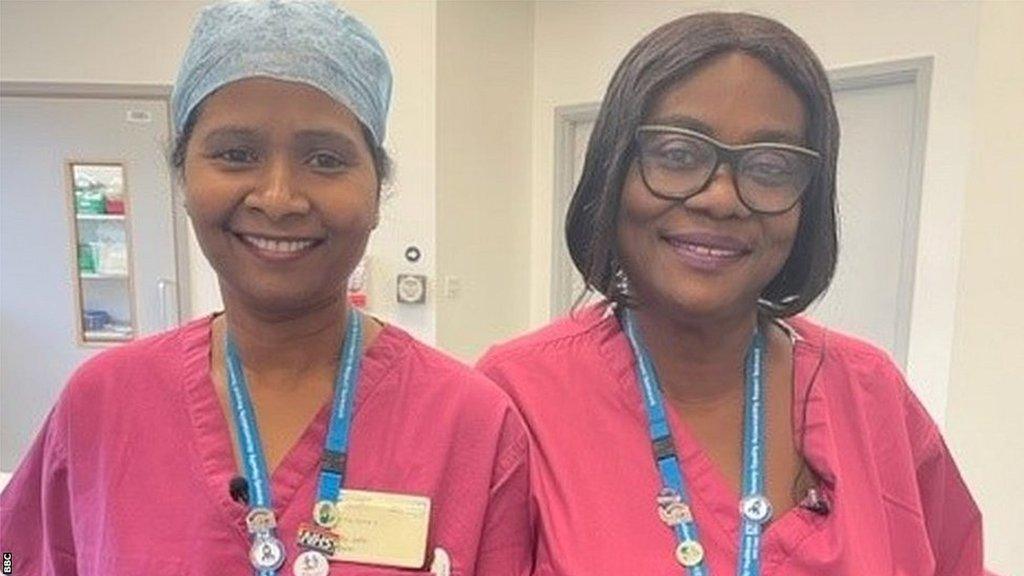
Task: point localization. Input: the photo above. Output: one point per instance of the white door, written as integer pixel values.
(879, 188)
(40, 309)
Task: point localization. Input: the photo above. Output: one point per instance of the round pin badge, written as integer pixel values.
(267, 553)
(442, 564)
(689, 553)
(675, 513)
(311, 563)
(260, 520)
(325, 513)
(671, 508)
(756, 508)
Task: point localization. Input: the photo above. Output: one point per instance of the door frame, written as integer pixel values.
(914, 70)
(918, 72)
(567, 121)
(113, 91)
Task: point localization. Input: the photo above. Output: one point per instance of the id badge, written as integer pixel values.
(382, 528)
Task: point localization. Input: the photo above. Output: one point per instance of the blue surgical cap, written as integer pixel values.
(309, 41)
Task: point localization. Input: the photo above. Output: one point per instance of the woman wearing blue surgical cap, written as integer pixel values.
(290, 434)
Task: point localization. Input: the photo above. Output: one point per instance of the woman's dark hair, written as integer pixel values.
(661, 59)
(381, 160)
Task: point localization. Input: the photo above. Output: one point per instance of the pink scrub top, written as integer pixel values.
(899, 506)
(130, 473)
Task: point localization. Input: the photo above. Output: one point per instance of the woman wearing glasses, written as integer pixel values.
(682, 426)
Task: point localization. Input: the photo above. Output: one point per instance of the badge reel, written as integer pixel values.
(266, 553)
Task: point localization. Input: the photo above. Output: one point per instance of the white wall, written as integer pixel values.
(578, 45)
(484, 99)
(985, 390)
(407, 28)
(142, 43)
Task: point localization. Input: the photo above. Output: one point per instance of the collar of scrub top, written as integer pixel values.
(755, 509)
(332, 467)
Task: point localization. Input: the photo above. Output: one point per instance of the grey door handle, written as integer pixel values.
(167, 288)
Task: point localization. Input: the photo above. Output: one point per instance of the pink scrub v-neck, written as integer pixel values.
(899, 506)
(130, 472)
(213, 439)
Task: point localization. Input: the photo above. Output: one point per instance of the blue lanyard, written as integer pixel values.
(332, 469)
(754, 508)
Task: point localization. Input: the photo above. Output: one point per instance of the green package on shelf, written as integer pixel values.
(87, 258)
(90, 201)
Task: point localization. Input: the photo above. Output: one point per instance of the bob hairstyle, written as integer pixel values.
(657, 62)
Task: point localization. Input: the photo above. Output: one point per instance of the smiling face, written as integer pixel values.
(282, 192)
(709, 256)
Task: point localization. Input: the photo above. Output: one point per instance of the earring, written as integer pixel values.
(621, 281)
(777, 306)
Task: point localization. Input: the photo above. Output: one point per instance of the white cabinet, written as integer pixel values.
(102, 238)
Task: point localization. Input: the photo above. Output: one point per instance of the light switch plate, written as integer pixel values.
(412, 288)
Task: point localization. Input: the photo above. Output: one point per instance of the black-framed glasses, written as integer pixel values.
(677, 164)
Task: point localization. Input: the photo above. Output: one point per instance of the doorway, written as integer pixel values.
(93, 246)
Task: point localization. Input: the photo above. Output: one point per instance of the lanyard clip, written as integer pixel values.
(663, 448)
(332, 461)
